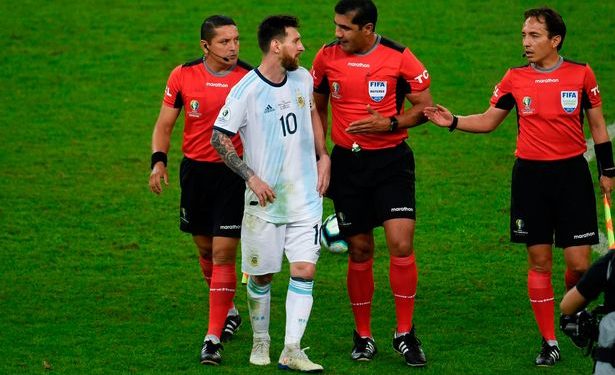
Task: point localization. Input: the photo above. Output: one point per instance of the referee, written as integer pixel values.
(211, 194)
(552, 195)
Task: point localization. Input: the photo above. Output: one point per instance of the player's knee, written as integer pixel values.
(262, 280)
(223, 255)
(224, 258)
(541, 267)
(204, 246)
(540, 263)
(400, 248)
(578, 268)
(360, 254)
(205, 252)
(303, 270)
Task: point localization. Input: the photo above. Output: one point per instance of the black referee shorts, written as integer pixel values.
(371, 186)
(553, 200)
(211, 199)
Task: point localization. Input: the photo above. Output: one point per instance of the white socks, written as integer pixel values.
(259, 300)
(298, 307)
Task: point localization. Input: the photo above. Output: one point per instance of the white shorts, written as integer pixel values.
(263, 244)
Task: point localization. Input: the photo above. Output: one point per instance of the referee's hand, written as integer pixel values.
(606, 186)
(158, 172)
(439, 115)
(373, 123)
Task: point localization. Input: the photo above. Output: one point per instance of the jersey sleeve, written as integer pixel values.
(172, 93)
(413, 71)
(591, 93)
(502, 97)
(318, 72)
(594, 281)
(309, 80)
(232, 115)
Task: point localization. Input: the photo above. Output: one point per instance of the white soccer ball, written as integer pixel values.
(330, 237)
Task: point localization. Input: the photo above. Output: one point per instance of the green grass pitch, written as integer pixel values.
(95, 277)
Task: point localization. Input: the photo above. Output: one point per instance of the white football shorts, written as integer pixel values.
(263, 244)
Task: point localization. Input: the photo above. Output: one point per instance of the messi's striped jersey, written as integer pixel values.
(275, 125)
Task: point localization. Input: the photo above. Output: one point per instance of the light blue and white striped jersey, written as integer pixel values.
(275, 126)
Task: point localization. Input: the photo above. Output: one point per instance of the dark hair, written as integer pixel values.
(553, 21)
(366, 11)
(210, 24)
(274, 27)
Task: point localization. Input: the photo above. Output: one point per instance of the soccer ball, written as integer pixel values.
(330, 237)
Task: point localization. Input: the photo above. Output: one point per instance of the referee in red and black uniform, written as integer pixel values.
(367, 78)
(552, 195)
(211, 194)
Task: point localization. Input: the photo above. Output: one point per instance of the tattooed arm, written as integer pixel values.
(224, 146)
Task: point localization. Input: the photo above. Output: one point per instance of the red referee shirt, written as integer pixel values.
(550, 107)
(381, 78)
(201, 93)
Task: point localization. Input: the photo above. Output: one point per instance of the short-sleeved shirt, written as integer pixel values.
(550, 108)
(275, 125)
(381, 78)
(201, 93)
(600, 278)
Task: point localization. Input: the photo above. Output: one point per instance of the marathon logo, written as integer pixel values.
(358, 65)
(584, 235)
(216, 84)
(547, 80)
(230, 227)
(402, 209)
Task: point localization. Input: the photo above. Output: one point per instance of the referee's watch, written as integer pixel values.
(394, 124)
(608, 172)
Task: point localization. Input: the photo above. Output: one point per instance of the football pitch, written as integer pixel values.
(95, 277)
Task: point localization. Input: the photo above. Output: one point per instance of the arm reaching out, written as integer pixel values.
(479, 123)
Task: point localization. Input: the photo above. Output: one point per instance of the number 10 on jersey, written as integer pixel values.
(289, 124)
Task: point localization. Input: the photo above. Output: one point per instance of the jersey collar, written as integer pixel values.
(221, 73)
(373, 47)
(269, 82)
(559, 63)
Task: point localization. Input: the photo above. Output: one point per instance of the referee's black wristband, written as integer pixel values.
(158, 156)
(604, 158)
(453, 124)
(394, 124)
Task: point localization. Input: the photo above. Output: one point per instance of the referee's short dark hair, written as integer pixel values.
(274, 27)
(553, 21)
(366, 11)
(211, 23)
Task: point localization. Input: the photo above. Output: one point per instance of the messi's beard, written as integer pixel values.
(289, 63)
